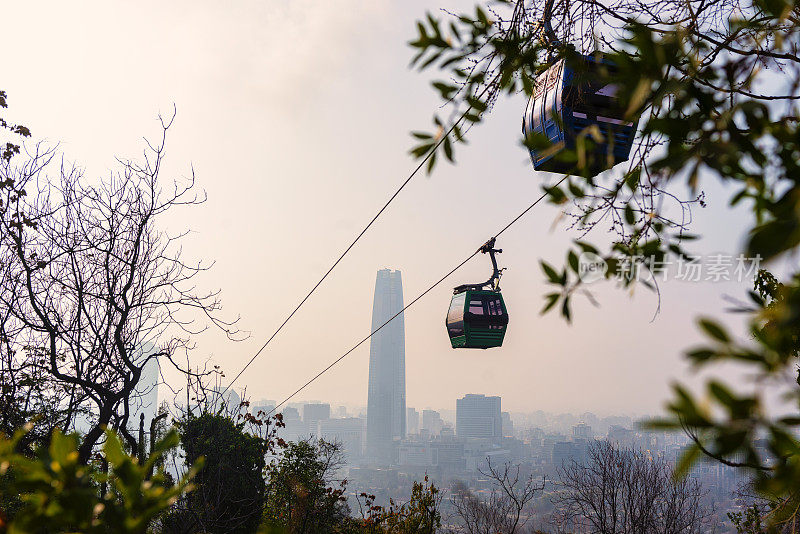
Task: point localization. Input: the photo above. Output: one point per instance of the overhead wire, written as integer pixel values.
(407, 306)
(421, 164)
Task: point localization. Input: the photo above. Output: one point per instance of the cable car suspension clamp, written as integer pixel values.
(494, 282)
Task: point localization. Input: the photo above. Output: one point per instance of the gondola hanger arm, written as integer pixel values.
(494, 281)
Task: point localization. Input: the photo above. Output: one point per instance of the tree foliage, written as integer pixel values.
(715, 87)
(60, 494)
(88, 278)
(10, 148)
(229, 490)
(506, 507)
(621, 490)
(302, 493)
(420, 515)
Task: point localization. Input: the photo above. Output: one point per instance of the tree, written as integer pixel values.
(715, 87)
(10, 147)
(59, 494)
(229, 490)
(505, 511)
(420, 515)
(623, 491)
(25, 394)
(303, 494)
(755, 520)
(87, 277)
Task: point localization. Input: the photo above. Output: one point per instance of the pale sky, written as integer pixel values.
(295, 117)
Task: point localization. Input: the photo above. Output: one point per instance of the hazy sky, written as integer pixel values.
(295, 117)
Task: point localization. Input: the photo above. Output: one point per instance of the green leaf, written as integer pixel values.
(715, 330)
(477, 104)
(630, 217)
(448, 149)
(572, 258)
(113, 449)
(551, 300)
(587, 247)
(640, 94)
(551, 273)
(421, 150)
(445, 90)
(701, 355)
(61, 447)
(556, 195)
(431, 163)
(687, 461)
(576, 191)
(722, 394)
(565, 310)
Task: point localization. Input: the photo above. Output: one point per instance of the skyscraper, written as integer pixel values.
(386, 398)
(145, 397)
(478, 416)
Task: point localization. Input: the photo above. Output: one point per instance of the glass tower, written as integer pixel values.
(386, 399)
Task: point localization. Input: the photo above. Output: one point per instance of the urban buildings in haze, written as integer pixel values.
(478, 416)
(412, 421)
(508, 425)
(315, 412)
(432, 422)
(347, 431)
(386, 398)
(582, 431)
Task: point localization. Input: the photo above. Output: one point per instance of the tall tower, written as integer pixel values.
(386, 399)
(145, 398)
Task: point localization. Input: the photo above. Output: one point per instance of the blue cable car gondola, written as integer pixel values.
(477, 317)
(569, 97)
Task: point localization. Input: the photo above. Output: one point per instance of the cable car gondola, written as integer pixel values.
(477, 318)
(569, 97)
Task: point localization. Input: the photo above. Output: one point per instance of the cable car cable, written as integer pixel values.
(360, 235)
(354, 347)
(407, 306)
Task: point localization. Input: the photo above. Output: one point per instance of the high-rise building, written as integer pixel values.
(265, 406)
(564, 452)
(478, 416)
(315, 412)
(349, 431)
(412, 421)
(432, 422)
(294, 428)
(225, 400)
(508, 425)
(386, 399)
(145, 397)
(582, 431)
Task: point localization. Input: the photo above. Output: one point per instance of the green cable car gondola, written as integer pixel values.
(477, 318)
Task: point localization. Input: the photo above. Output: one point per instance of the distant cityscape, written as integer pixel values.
(388, 445)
